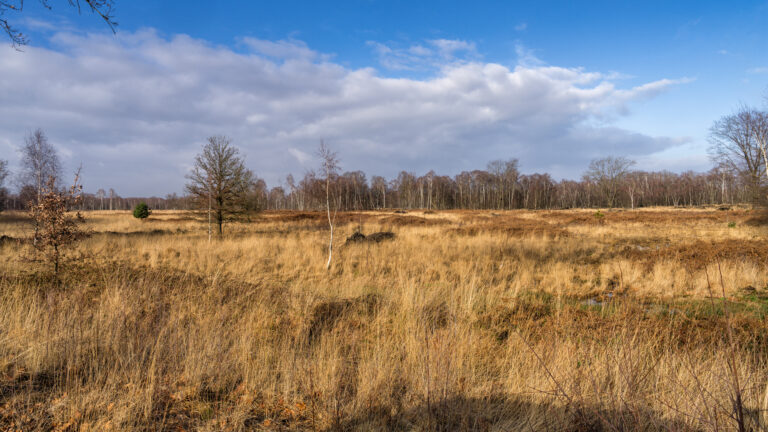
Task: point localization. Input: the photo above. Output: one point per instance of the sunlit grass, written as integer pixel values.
(510, 320)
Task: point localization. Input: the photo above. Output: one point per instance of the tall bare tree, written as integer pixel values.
(757, 122)
(102, 8)
(40, 165)
(329, 168)
(608, 174)
(734, 144)
(505, 176)
(39, 162)
(3, 191)
(220, 181)
(100, 194)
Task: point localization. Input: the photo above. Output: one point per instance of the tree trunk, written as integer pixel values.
(330, 222)
(209, 217)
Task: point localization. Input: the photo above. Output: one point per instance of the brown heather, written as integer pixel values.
(465, 321)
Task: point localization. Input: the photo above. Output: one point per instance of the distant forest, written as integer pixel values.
(738, 148)
(499, 187)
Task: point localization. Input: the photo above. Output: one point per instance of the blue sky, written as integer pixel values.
(641, 79)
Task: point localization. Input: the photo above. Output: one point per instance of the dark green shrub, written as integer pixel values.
(141, 211)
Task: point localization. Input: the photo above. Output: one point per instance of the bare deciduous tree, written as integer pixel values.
(3, 191)
(379, 185)
(329, 167)
(102, 8)
(607, 174)
(505, 176)
(734, 145)
(39, 165)
(757, 122)
(39, 162)
(219, 180)
(53, 227)
(100, 194)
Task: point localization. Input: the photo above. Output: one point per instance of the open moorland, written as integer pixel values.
(651, 319)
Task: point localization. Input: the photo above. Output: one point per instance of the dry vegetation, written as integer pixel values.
(481, 321)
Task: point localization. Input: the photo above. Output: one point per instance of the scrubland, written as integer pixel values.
(650, 319)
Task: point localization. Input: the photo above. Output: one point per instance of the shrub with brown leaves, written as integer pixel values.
(55, 228)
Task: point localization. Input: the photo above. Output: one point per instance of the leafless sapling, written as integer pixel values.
(329, 166)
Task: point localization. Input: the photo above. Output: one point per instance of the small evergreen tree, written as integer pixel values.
(141, 211)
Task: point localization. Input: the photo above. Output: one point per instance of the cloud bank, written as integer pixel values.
(136, 108)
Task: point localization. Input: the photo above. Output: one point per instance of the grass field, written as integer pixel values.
(649, 319)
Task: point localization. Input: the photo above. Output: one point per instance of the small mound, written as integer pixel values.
(757, 219)
(377, 237)
(357, 237)
(326, 315)
(435, 315)
(4, 239)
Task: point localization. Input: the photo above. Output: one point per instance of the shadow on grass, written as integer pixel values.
(498, 413)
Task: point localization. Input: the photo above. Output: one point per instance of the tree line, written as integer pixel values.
(737, 148)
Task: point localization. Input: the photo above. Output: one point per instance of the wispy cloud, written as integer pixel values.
(283, 49)
(430, 54)
(521, 27)
(526, 56)
(758, 70)
(302, 157)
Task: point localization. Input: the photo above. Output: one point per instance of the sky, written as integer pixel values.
(390, 85)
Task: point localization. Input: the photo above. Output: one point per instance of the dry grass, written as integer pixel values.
(478, 321)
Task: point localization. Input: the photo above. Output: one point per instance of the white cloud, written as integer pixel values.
(282, 49)
(521, 27)
(303, 158)
(137, 107)
(449, 47)
(432, 54)
(526, 56)
(758, 70)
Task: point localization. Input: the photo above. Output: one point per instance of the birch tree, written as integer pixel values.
(39, 162)
(757, 122)
(329, 168)
(3, 174)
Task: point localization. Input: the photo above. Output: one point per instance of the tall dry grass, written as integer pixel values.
(465, 321)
